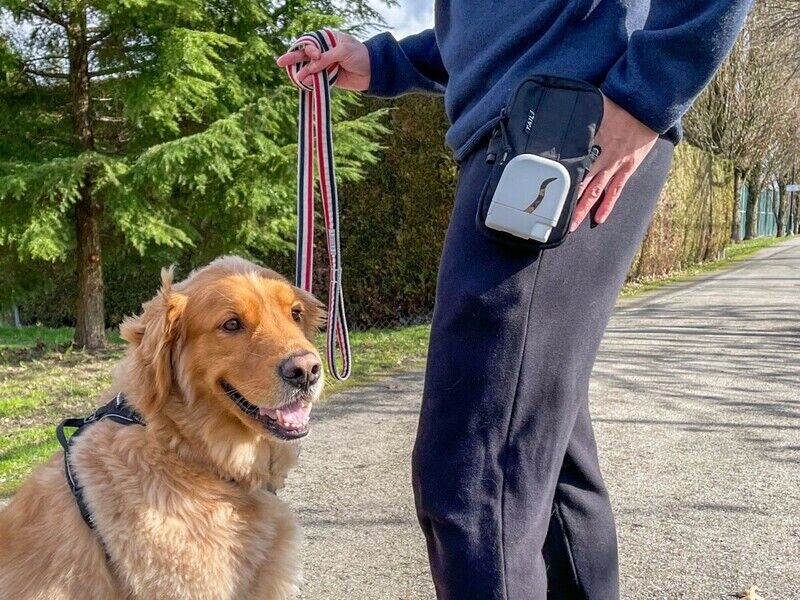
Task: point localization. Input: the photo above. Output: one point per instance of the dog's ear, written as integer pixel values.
(152, 336)
(313, 313)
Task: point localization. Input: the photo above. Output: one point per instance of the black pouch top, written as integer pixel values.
(555, 118)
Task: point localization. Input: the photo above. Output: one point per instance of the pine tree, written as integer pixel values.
(164, 123)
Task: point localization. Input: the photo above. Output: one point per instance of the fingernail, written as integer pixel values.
(601, 220)
(572, 227)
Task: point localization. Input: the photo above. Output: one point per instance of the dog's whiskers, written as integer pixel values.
(224, 296)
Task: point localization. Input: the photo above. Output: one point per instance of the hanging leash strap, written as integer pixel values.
(314, 133)
(118, 411)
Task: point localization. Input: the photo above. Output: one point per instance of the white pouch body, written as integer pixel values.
(529, 197)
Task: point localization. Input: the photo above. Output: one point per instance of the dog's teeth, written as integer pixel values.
(268, 412)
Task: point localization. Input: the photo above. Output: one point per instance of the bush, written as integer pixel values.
(694, 218)
(129, 279)
(394, 221)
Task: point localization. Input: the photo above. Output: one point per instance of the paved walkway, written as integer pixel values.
(697, 407)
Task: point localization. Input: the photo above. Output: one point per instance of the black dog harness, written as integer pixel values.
(118, 411)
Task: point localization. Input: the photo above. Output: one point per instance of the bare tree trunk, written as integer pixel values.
(794, 206)
(751, 223)
(783, 206)
(736, 222)
(89, 314)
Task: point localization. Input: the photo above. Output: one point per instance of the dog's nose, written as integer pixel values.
(301, 370)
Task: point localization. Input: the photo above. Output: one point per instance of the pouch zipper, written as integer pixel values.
(491, 154)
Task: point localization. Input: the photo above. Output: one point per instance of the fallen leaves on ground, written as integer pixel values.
(750, 593)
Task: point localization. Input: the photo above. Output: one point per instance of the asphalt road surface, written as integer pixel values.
(696, 401)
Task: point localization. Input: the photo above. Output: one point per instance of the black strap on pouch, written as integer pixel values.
(555, 118)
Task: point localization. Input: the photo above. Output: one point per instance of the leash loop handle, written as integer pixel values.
(315, 138)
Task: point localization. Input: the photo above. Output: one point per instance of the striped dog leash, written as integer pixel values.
(314, 132)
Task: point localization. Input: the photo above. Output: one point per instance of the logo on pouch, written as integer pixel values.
(542, 190)
(529, 122)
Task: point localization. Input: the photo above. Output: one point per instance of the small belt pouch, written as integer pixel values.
(541, 149)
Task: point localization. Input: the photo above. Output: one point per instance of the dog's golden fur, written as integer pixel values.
(183, 505)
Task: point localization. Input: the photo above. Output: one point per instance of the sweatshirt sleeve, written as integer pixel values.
(669, 62)
(411, 65)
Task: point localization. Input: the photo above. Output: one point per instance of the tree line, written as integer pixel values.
(750, 112)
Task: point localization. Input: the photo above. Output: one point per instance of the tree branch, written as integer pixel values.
(98, 37)
(48, 57)
(43, 11)
(110, 71)
(119, 70)
(46, 74)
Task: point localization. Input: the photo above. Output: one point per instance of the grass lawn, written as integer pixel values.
(43, 380)
(733, 253)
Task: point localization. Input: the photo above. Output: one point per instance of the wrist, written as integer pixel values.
(379, 50)
(647, 117)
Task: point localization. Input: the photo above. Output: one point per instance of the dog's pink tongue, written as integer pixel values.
(293, 416)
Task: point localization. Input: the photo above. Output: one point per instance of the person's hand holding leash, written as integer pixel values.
(352, 56)
(625, 141)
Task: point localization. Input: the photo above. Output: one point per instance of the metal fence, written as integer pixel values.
(767, 212)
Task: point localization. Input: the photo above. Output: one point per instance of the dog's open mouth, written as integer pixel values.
(287, 422)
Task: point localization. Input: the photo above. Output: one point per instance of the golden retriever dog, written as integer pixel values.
(222, 369)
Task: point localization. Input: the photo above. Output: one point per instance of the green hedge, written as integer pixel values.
(393, 224)
(129, 280)
(694, 218)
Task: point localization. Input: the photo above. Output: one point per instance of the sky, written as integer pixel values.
(410, 16)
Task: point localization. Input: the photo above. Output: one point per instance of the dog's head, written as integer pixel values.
(227, 358)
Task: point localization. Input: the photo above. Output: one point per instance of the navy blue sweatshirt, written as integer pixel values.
(652, 57)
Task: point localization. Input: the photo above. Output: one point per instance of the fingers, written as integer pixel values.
(612, 194)
(304, 54)
(590, 191)
(322, 62)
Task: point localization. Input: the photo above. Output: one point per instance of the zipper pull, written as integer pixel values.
(499, 135)
(491, 152)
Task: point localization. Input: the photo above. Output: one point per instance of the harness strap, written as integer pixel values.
(314, 132)
(118, 411)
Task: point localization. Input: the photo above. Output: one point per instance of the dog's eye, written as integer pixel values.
(232, 325)
(297, 313)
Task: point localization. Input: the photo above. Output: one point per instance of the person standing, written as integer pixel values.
(506, 478)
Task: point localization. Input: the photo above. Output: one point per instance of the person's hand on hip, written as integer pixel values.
(624, 142)
(352, 56)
